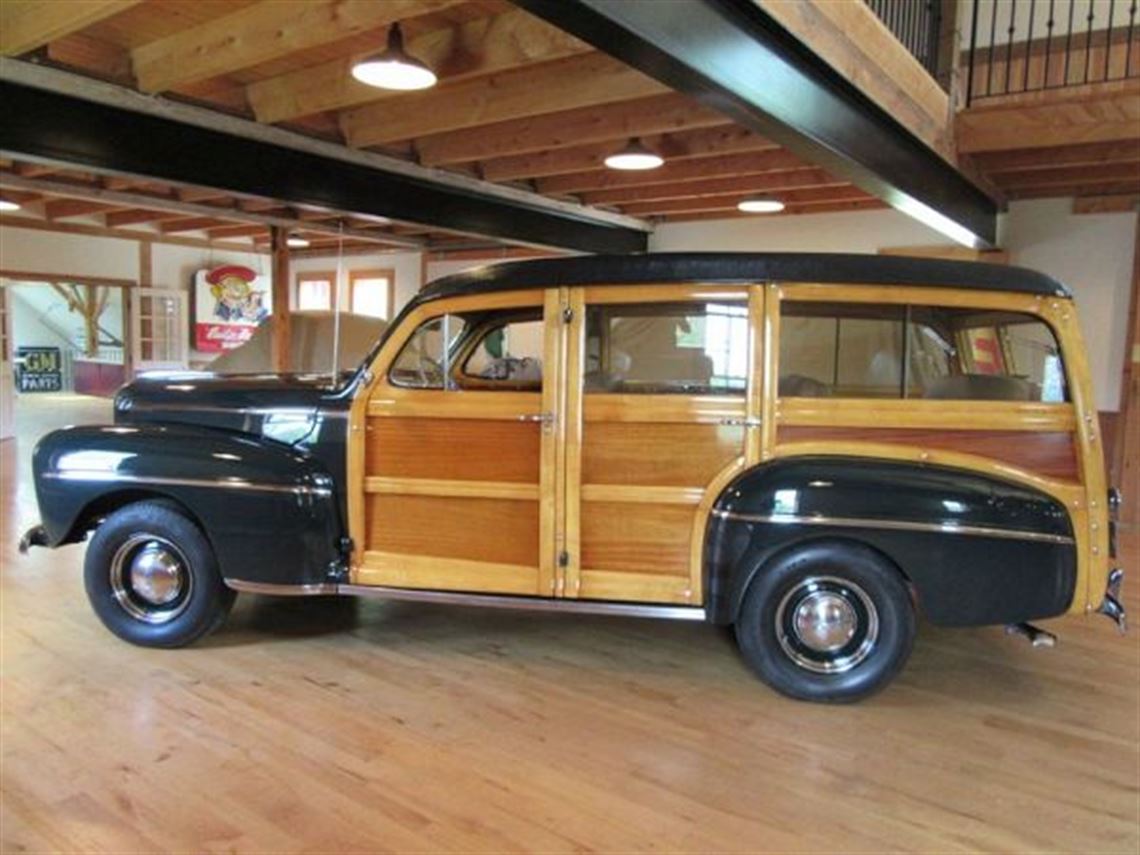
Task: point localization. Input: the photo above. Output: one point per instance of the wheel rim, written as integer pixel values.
(150, 578)
(827, 625)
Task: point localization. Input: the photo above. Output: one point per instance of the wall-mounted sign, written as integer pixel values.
(39, 369)
(229, 302)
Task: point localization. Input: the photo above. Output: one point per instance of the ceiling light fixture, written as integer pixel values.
(296, 242)
(760, 205)
(7, 205)
(634, 156)
(394, 68)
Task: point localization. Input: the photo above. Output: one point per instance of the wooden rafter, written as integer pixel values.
(259, 33)
(189, 224)
(28, 24)
(729, 201)
(659, 114)
(703, 142)
(564, 84)
(59, 209)
(764, 182)
(479, 47)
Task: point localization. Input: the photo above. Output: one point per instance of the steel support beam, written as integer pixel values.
(149, 137)
(736, 58)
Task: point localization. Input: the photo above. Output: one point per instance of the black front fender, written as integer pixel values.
(268, 510)
(975, 549)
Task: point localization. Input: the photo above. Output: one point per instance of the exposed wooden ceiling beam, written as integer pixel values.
(793, 179)
(747, 163)
(685, 144)
(1084, 188)
(185, 209)
(143, 215)
(1092, 154)
(482, 46)
(1114, 204)
(656, 115)
(60, 209)
(238, 231)
(18, 222)
(1069, 175)
(259, 33)
(565, 84)
(189, 224)
(28, 24)
(729, 201)
(792, 210)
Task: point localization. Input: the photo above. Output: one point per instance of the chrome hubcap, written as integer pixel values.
(827, 625)
(150, 578)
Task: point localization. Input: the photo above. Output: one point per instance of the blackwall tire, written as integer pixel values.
(829, 621)
(153, 579)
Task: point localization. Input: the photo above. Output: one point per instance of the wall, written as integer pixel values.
(407, 266)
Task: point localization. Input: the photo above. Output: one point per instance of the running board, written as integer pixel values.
(494, 601)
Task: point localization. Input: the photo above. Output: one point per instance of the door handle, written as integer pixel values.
(734, 422)
(544, 419)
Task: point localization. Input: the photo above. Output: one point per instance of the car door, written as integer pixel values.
(453, 484)
(664, 411)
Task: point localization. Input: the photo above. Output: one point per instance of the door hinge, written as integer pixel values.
(567, 315)
(563, 559)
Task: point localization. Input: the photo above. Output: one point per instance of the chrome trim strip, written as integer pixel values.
(495, 601)
(311, 590)
(894, 525)
(174, 408)
(102, 475)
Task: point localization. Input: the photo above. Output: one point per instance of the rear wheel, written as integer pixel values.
(153, 579)
(828, 621)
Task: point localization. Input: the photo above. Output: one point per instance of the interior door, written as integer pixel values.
(160, 331)
(458, 472)
(668, 412)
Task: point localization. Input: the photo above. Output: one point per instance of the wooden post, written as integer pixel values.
(1126, 442)
(281, 346)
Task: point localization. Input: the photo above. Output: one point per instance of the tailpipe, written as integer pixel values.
(1035, 635)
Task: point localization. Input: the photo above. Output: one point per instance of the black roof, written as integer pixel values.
(663, 267)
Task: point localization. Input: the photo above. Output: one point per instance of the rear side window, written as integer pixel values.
(667, 348)
(860, 351)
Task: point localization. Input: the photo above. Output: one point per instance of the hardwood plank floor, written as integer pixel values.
(337, 725)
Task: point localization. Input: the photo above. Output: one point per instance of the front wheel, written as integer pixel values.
(152, 577)
(828, 621)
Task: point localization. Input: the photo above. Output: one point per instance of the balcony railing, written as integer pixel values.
(1020, 46)
(915, 23)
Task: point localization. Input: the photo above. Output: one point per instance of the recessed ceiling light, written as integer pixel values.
(394, 68)
(296, 242)
(634, 156)
(761, 205)
(6, 205)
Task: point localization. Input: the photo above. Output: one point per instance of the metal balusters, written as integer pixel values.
(1028, 47)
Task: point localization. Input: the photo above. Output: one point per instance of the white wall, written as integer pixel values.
(77, 255)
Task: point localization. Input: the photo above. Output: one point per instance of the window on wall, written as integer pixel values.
(667, 348)
(372, 292)
(315, 291)
(866, 351)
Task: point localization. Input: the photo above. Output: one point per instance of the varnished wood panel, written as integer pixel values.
(636, 537)
(653, 455)
(401, 570)
(635, 587)
(503, 531)
(1049, 454)
(461, 449)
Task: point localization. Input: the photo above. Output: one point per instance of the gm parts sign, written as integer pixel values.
(39, 369)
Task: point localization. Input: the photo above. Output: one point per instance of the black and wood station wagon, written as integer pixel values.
(816, 449)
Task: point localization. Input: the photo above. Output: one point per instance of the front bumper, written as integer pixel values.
(1110, 605)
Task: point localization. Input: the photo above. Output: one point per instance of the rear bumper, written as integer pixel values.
(35, 536)
(1110, 606)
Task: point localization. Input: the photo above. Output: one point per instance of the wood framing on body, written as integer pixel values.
(611, 498)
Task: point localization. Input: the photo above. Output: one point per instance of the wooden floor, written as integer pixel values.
(334, 725)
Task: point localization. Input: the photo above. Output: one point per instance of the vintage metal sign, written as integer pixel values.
(39, 369)
(229, 303)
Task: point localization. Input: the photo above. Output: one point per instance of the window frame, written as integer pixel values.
(314, 276)
(388, 273)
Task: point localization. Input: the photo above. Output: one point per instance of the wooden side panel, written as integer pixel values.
(453, 449)
(499, 531)
(1051, 454)
(657, 455)
(645, 538)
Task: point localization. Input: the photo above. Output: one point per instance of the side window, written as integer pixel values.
(667, 348)
(841, 350)
(506, 354)
(425, 360)
(861, 351)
